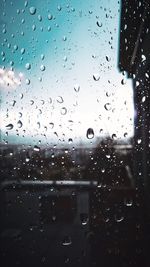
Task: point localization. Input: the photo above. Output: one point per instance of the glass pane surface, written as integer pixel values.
(70, 140)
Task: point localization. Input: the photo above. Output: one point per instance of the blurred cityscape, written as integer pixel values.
(80, 203)
(107, 162)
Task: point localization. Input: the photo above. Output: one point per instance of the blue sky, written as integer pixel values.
(67, 53)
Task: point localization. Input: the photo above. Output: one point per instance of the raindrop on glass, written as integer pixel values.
(108, 58)
(99, 24)
(59, 8)
(39, 17)
(42, 68)
(128, 202)
(19, 124)
(27, 81)
(50, 16)
(125, 134)
(123, 81)
(20, 114)
(70, 141)
(84, 218)
(28, 66)
(90, 133)
(107, 106)
(77, 88)
(36, 148)
(42, 56)
(32, 10)
(114, 136)
(9, 126)
(33, 27)
(31, 102)
(64, 38)
(22, 51)
(63, 111)
(60, 99)
(67, 241)
(119, 218)
(96, 77)
(51, 124)
(26, 3)
(38, 124)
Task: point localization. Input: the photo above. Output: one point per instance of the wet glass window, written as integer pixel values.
(74, 81)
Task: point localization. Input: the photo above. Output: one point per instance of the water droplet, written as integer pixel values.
(64, 38)
(107, 106)
(147, 75)
(38, 124)
(39, 17)
(13, 103)
(42, 67)
(31, 102)
(22, 51)
(59, 8)
(27, 159)
(67, 241)
(26, 3)
(49, 16)
(63, 111)
(128, 202)
(28, 66)
(27, 81)
(60, 99)
(143, 57)
(9, 126)
(33, 27)
(19, 124)
(108, 94)
(143, 99)
(114, 136)
(36, 148)
(20, 114)
(84, 218)
(123, 81)
(4, 30)
(108, 58)
(90, 133)
(50, 100)
(96, 77)
(42, 56)
(99, 24)
(139, 141)
(70, 141)
(15, 47)
(72, 9)
(51, 124)
(125, 134)
(32, 10)
(77, 88)
(21, 96)
(39, 111)
(65, 58)
(119, 218)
